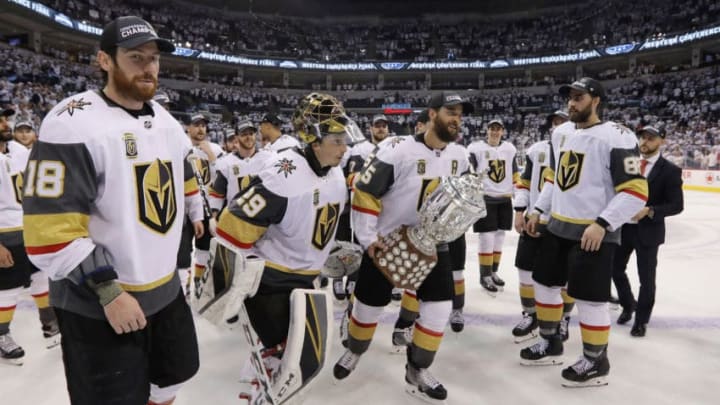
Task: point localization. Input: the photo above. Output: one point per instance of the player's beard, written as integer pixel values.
(647, 150)
(581, 116)
(379, 139)
(131, 89)
(443, 131)
(6, 135)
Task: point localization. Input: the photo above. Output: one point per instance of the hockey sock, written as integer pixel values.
(498, 240)
(485, 253)
(459, 297)
(409, 307)
(363, 321)
(428, 332)
(549, 306)
(594, 327)
(527, 291)
(568, 302)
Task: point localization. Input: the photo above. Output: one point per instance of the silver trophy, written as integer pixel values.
(410, 253)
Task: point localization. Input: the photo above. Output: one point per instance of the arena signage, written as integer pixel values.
(621, 49)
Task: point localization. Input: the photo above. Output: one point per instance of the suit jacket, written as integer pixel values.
(666, 199)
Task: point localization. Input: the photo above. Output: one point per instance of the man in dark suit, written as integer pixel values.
(646, 232)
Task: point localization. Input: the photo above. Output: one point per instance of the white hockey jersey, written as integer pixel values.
(208, 170)
(101, 175)
(528, 188)
(498, 165)
(283, 143)
(597, 179)
(11, 214)
(231, 172)
(391, 188)
(288, 216)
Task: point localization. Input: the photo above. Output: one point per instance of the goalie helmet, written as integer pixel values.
(318, 115)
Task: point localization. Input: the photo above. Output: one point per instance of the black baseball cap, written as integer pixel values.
(230, 133)
(198, 117)
(586, 85)
(558, 113)
(243, 125)
(272, 119)
(24, 123)
(380, 117)
(424, 117)
(652, 131)
(130, 32)
(497, 122)
(8, 112)
(445, 99)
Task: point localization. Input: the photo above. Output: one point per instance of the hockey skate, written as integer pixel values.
(587, 373)
(526, 329)
(488, 286)
(422, 385)
(457, 320)
(401, 338)
(499, 283)
(51, 333)
(546, 352)
(10, 352)
(564, 328)
(345, 365)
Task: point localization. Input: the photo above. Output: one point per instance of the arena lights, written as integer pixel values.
(187, 52)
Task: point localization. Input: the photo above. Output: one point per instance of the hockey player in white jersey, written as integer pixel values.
(288, 216)
(400, 176)
(271, 136)
(598, 187)
(205, 157)
(103, 201)
(538, 159)
(16, 271)
(496, 159)
(237, 167)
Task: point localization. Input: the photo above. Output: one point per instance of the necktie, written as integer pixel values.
(643, 165)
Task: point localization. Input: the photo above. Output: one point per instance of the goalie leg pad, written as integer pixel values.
(307, 343)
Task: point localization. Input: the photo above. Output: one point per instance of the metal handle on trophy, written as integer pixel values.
(446, 214)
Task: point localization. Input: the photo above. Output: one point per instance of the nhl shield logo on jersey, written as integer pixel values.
(131, 151)
(155, 194)
(421, 166)
(569, 169)
(326, 219)
(73, 105)
(285, 166)
(496, 170)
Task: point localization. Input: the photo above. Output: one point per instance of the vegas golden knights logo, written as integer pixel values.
(421, 166)
(426, 188)
(203, 167)
(326, 219)
(155, 196)
(17, 181)
(454, 167)
(131, 151)
(496, 170)
(541, 182)
(569, 169)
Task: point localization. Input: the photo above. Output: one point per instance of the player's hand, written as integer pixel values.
(592, 238)
(124, 314)
(212, 226)
(519, 221)
(199, 228)
(531, 225)
(6, 259)
(642, 214)
(374, 247)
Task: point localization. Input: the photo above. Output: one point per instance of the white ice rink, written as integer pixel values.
(678, 362)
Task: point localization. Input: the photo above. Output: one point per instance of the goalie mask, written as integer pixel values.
(318, 115)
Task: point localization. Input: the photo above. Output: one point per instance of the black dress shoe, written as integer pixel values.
(638, 329)
(625, 316)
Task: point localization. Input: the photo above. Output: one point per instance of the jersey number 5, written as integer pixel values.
(45, 178)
